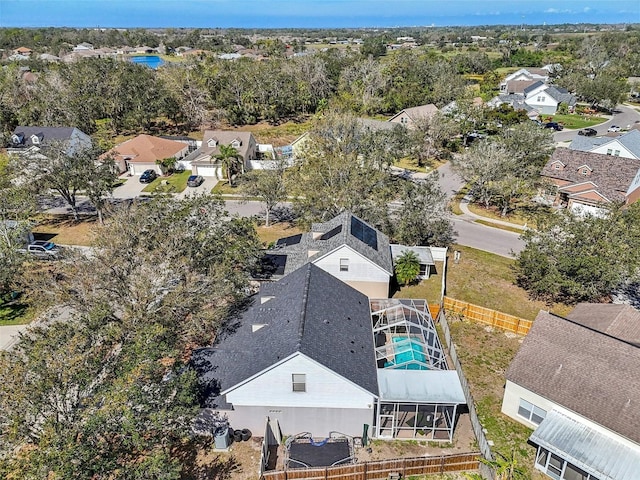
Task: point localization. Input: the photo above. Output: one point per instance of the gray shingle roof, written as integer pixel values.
(618, 320)
(311, 312)
(611, 174)
(46, 134)
(331, 235)
(586, 144)
(561, 95)
(630, 140)
(586, 371)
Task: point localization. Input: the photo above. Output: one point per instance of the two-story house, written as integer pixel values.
(31, 141)
(203, 161)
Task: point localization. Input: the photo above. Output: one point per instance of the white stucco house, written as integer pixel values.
(346, 247)
(576, 382)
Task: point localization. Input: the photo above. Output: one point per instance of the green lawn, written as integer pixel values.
(576, 121)
(483, 279)
(15, 314)
(174, 183)
(223, 188)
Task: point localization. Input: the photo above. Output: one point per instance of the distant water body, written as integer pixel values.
(152, 61)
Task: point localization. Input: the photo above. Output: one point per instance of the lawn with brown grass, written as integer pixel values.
(483, 279)
(275, 231)
(278, 135)
(64, 230)
(485, 355)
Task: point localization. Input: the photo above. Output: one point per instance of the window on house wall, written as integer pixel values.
(616, 153)
(557, 166)
(584, 171)
(609, 151)
(530, 412)
(299, 382)
(344, 264)
(403, 119)
(558, 468)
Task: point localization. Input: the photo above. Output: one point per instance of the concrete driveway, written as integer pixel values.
(9, 335)
(207, 185)
(132, 188)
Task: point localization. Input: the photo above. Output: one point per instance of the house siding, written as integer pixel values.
(613, 146)
(329, 403)
(361, 271)
(511, 400)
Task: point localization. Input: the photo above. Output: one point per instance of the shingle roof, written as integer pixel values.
(618, 320)
(518, 86)
(588, 372)
(311, 312)
(611, 174)
(586, 144)
(147, 149)
(331, 235)
(561, 95)
(223, 137)
(630, 140)
(46, 134)
(414, 113)
(532, 87)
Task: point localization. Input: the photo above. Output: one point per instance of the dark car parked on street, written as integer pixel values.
(195, 180)
(148, 176)
(556, 126)
(588, 132)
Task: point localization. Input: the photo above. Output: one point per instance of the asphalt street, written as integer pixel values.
(623, 117)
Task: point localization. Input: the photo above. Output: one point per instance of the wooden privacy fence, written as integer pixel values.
(487, 316)
(381, 469)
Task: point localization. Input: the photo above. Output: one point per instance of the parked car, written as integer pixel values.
(614, 128)
(44, 250)
(195, 180)
(148, 176)
(588, 132)
(555, 125)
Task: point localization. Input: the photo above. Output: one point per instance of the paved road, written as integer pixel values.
(9, 335)
(623, 117)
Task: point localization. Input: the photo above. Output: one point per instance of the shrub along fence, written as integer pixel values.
(487, 316)
(383, 469)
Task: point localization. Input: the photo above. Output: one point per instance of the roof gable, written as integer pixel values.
(612, 175)
(303, 307)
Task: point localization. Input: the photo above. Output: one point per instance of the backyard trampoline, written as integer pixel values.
(305, 452)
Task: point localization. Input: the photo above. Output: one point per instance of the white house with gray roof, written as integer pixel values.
(30, 140)
(318, 356)
(346, 246)
(576, 382)
(626, 145)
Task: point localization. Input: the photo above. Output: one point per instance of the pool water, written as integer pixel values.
(152, 61)
(415, 353)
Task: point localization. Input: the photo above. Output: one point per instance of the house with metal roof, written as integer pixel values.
(576, 382)
(587, 181)
(316, 355)
(346, 246)
(626, 145)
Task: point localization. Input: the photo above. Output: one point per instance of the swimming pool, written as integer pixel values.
(407, 350)
(152, 61)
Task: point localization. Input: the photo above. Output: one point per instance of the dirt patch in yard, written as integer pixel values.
(240, 462)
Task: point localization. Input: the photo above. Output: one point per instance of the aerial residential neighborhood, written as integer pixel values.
(273, 251)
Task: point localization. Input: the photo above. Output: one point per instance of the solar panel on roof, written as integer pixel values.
(364, 233)
(331, 233)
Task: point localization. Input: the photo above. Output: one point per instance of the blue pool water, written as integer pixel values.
(416, 353)
(152, 61)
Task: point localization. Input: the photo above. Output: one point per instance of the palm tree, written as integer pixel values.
(230, 160)
(407, 267)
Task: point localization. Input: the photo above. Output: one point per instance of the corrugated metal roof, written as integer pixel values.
(594, 452)
(420, 386)
(423, 253)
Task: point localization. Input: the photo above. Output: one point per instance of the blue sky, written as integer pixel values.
(310, 13)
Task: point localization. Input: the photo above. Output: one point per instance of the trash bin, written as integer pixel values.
(222, 439)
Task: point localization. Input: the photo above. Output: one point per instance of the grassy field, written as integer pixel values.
(64, 230)
(513, 217)
(485, 356)
(279, 135)
(15, 314)
(483, 279)
(174, 183)
(277, 230)
(223, 188)
(576, 121)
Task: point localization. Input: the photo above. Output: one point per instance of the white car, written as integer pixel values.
(614, 128)
(44, 250)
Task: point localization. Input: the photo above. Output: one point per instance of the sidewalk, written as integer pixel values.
(464, 206)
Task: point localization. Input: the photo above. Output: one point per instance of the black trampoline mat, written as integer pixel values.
(312, 456)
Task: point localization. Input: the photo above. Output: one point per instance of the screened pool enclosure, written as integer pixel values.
(418, 397)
